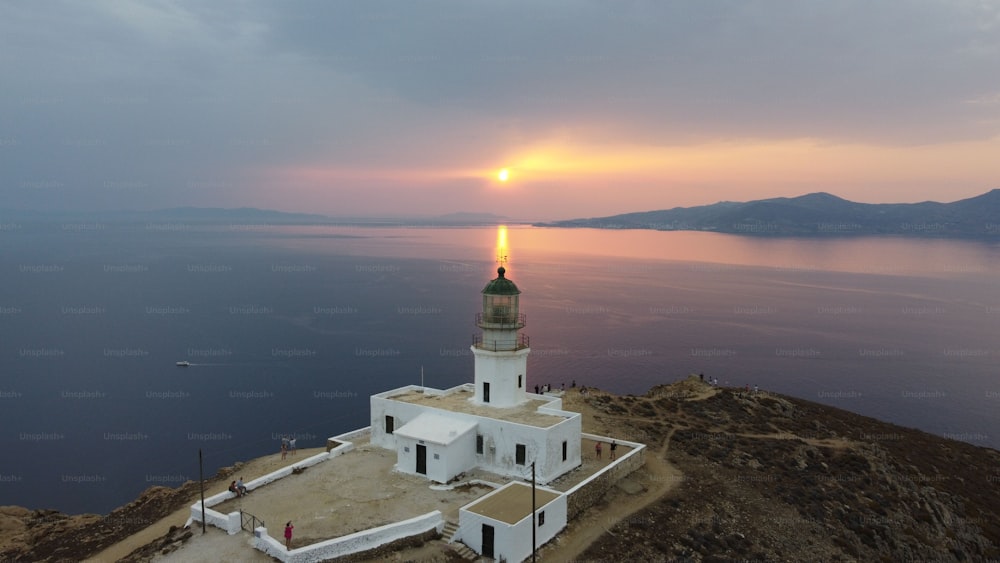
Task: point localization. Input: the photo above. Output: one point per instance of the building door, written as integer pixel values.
(487, 540)
(486, 392)
(421, 459)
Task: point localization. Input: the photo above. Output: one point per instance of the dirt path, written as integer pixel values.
(658, 477)
(836, 443)
(707, 393)
(253, 469)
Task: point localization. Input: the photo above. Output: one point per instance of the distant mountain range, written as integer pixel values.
(816, 214)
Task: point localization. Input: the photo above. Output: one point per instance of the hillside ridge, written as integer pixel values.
(816, 214)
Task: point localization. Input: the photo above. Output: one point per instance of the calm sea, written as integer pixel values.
(290, 329)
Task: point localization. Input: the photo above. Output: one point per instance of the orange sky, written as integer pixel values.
(596, 109)
(564, 180)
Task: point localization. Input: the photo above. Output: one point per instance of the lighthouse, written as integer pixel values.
(501, 351)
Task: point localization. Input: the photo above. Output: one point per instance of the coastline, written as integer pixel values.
(746, 448)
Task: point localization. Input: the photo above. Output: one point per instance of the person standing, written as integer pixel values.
(597, 448)
(614, 446)
(284, 448)
(291, 445)
(288, 535)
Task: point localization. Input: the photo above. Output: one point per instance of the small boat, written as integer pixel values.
(183, 364)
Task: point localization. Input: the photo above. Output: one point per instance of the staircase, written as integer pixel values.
(448, 535)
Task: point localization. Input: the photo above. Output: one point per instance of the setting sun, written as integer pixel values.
(503, 175)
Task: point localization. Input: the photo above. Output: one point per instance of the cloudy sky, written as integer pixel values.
(394, 108)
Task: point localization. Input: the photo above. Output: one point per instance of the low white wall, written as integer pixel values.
(225, 521)
(345, 545)
(352, 435)
(288, 470)
(228, 522)
(636, 450)
(588, 492)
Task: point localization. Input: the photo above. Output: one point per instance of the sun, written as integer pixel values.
(503, 175)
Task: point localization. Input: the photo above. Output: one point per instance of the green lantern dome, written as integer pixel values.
(501, 285)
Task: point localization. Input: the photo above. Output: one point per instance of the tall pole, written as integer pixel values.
(534, 525)
(201, 481)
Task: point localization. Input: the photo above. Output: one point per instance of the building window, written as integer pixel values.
(519, 381)
(486, 392)
(479, 443)
(541, 518)
(520, 454)
(390, 424)
(437, 456)
(564, 450)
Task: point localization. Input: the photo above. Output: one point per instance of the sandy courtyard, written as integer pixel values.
(353, 492)
(360, 490)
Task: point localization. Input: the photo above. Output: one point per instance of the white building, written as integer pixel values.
(498, 524)
(493, 423)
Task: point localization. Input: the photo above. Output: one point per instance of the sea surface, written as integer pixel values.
(289, 330)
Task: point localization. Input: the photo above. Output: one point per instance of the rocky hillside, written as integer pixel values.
(762, 477)
(773, 478)
(48, 535)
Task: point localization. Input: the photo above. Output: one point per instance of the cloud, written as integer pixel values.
(672, 71)
(142, 104)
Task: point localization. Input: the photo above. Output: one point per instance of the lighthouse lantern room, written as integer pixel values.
(501, 351)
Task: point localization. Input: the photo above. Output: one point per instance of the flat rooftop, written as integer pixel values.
(459, 401)
(512, 504)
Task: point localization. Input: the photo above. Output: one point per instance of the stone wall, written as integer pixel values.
(589, 492)
(387, 551)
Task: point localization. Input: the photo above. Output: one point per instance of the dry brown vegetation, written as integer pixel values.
(773, 478)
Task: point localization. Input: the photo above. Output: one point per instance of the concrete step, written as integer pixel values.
(464, 552)
(450, 529)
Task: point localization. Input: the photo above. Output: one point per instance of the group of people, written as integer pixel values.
(598, 448)
(714, 382)
(287, 445)
(238, 488)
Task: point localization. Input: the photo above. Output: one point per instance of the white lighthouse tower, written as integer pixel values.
(501, 351)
